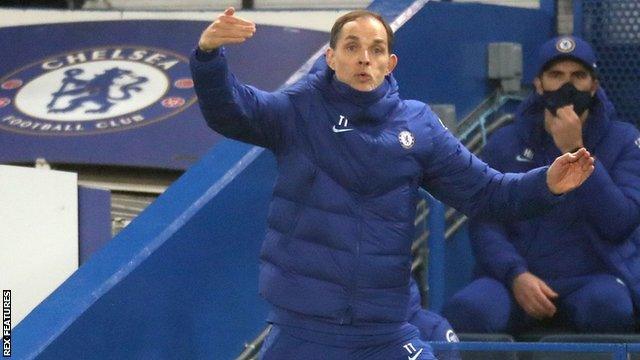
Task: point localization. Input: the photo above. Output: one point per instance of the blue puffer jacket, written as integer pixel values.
(594, 230)
(340, 223)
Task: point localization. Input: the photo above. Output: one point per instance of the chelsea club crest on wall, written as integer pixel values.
(95, 90)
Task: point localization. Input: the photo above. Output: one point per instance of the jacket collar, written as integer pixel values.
(363, 106)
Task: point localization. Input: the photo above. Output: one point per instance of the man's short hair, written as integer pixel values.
(356, 14)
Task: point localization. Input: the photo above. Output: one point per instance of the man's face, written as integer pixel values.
(361, 58)
(563, 72)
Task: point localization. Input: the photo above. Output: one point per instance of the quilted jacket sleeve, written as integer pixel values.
(611, 199)
(457, 177)
(233, 109)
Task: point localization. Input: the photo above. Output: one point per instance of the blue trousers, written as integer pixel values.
(595, 303)
(284, 343)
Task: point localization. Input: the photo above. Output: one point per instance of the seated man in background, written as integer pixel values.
(578, 265)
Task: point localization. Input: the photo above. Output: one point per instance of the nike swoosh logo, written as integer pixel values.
(336, 130)
(415, 356)
(523, 159)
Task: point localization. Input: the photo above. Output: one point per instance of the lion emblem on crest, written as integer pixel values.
(103, 89)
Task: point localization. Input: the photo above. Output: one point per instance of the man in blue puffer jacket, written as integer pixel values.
(335, 263)
(431, 326)
(578, 265)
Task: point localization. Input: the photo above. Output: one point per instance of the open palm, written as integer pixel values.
(226, 29)
(569, 171)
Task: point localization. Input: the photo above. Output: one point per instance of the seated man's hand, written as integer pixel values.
(534, 296)
(565, 128)
(569, 171)
(227, 29)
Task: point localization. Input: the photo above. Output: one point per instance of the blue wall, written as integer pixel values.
(443, 50)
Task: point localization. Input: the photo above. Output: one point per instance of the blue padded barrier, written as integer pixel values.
(633, 351)
(488, 355)
(561, 350)
(179, 282)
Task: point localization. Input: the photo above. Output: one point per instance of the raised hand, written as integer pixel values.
(565, 128)
(569, 171)
(226, 29)
(534, 296)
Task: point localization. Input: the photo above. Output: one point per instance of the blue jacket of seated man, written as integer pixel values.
(595, 228)
(340, 224)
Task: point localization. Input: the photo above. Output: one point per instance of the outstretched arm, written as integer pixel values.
(460, 179)
(231, 108)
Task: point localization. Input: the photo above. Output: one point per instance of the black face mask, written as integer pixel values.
(567, 94)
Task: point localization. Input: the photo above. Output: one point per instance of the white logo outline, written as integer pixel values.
(415, 356)
(442, 123)
(523, 159)
(410, 349)
(336, 130)
(406, 139)
(526, 156)
(451, 336)
(121, 117)
(565, 45)
(343, 121)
